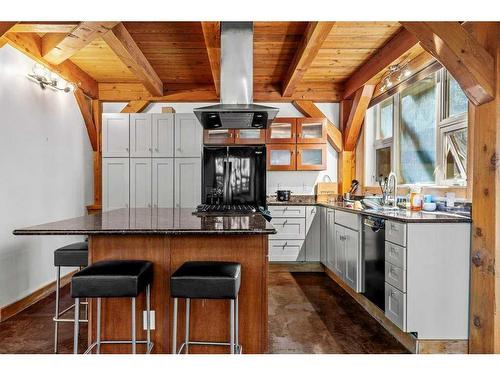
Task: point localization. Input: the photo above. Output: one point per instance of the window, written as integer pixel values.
(420, 132)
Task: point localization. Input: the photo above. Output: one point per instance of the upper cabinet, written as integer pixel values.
(163, 135)
(282, 130)
(234, 136)
(188, 136)
(140, 135)
(115, 135)
(311, 130)
(311, 157)
(218, 136)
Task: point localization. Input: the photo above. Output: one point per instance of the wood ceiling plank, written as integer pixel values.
(356, 116)
(122, 43)
(31, 45)
(390, 52)
(461, 54)
(44, 27)
(309, 109)
(88, 119)
(81, 36)
(135, 106)
(6, 27)
(315, 35)
(211, 34)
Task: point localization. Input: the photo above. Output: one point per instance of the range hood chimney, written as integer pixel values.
(236, 109)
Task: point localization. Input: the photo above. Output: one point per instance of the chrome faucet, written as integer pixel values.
(393, 176)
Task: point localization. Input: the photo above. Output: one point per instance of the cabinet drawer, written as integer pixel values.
(289, 229)
(347, 219)
(395, 254)
(395, 276)
(395, 232)
(395, 306)
(286, 250)
(287, 211)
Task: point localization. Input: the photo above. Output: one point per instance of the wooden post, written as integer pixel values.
(97, 157)
(346, 170)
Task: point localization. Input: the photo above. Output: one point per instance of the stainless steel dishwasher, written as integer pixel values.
(374, 260)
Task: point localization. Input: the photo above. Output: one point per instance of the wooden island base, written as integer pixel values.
(209, 318)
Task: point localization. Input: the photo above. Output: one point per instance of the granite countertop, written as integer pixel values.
(295, 200)
(171, 221)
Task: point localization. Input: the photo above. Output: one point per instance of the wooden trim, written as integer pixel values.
(310, 146)
(314, 36)
(211, 35)
(463, 56)
(276, 267)
(293, 157)
(442, 346)
(309, 120)
(285, 120)
(31, 46)
(135, 106)
(15, 308)
(356, 116)
(401, 43)
(334, 135)
(81, 36)
(124, 46)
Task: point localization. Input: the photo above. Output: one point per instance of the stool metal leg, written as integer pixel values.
(237, 325)
(174, 327)
(133, 327)
(231, 325)
(98, 335)
(188, 311)
(76, 330)
(148, 317)
(56, 323)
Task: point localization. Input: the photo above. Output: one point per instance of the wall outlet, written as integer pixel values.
(145, 320)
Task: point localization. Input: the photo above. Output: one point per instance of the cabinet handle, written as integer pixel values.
(126, 149)
(285, 245)
(284, 223)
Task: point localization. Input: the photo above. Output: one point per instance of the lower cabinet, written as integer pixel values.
(330, 240)
(313, 236)
(115, 183)
(323, 234)
(287, 250)
(140, 182)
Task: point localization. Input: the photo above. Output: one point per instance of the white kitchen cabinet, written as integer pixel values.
(115, 135)
(140, 182)
(352, 256)
(163, 135)
(323, 234)
(163, 182)
(339, 251)
(187, 182)
(188, 136)
(115, 186)
(287, 250)
(289, 228)
(140, 135)
(313, 236)
(330, 239)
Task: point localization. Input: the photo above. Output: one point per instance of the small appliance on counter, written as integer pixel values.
(283, 195)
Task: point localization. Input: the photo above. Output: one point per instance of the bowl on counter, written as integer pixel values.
(429, 206)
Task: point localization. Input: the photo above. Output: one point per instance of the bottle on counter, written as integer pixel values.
(416, 198)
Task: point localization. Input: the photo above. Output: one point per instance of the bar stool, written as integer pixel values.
(113, 279)
(207, 280)
(73, 255)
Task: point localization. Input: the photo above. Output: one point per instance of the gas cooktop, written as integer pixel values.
(225, 209)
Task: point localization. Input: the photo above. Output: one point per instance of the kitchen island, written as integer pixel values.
(168, 238)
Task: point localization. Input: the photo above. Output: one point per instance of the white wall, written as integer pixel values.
(45, 174)
(299, 182)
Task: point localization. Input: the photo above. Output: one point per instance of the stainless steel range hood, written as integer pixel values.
(236, 109)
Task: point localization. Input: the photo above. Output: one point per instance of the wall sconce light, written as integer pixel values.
(394, 75)
(45, 78)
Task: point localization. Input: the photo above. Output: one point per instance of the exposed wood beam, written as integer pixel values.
(135, 106)
(357, 116)
(30, 45)
(346, 163)
(97, 160)
(461, 54)
(308, 108)
(314, 36)
(211, 34)
(401, 43)
(74, 41)
(121, 42)
(85, 107)
(44, 27)
(6, 27)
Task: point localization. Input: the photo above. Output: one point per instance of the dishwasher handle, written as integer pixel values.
(376, 225)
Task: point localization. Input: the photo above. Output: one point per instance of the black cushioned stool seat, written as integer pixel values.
(210, 280)
(73, 255)
(114, 278)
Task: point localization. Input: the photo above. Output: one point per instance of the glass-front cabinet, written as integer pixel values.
(281, 157)
(311, 130)
(249, 136)
(311, 157)
(218, 136)
(282, 130)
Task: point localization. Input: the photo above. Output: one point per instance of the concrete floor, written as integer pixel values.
(308, 313)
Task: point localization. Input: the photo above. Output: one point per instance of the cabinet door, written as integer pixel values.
(313, 240)
(330, 240)
(140, 182)
(352, 258)
(163, 135)
(339, 253)
(286, 250)
(188, 136)
(250, 136)
(140, 135)
(311, 157)
(218, 136)
(187, 182)
(115, 135)
(163, 182)
(323, 234)
(282, 130)
(281, 157)
(115, 183)
(311, 130)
